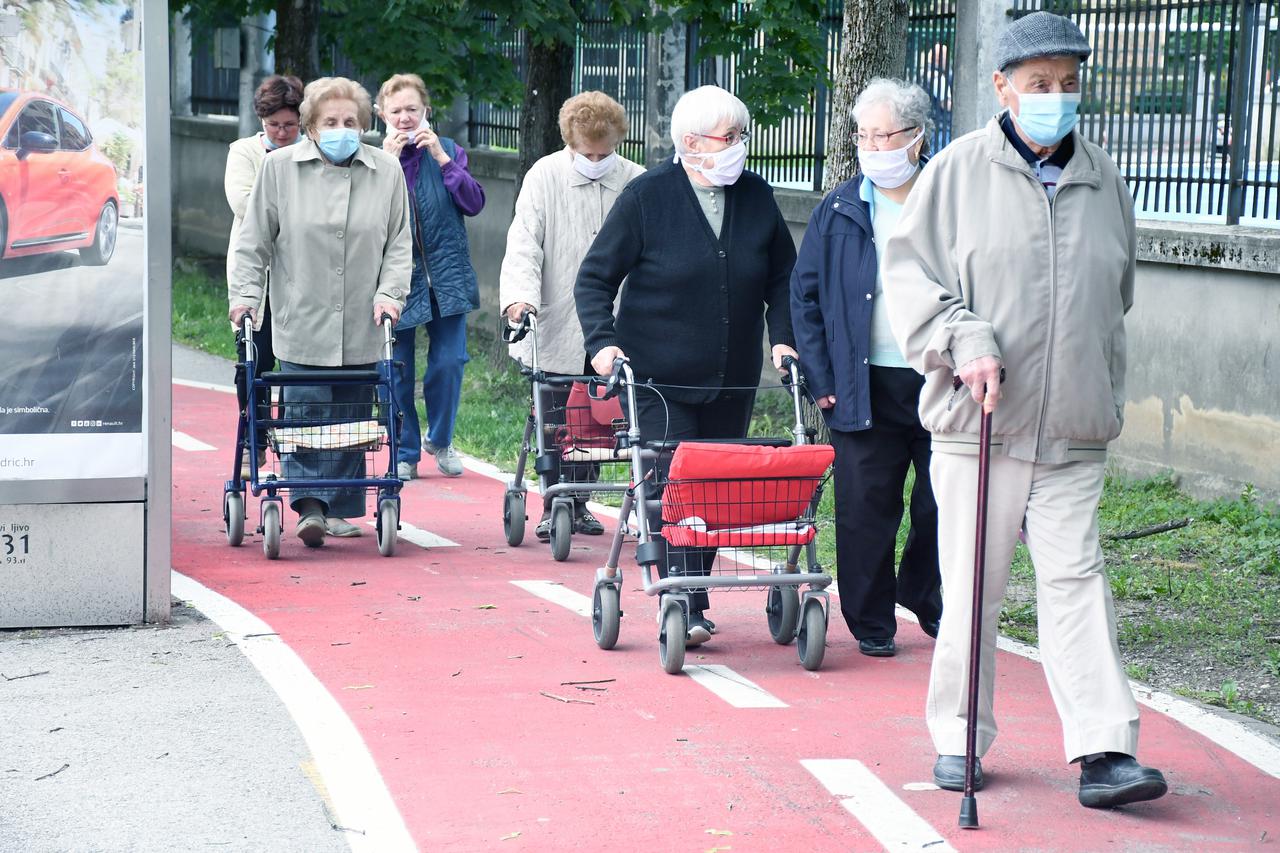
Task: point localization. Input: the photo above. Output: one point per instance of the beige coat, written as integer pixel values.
(983, 264)
(244, 159)
(337, 239)
(557, 217)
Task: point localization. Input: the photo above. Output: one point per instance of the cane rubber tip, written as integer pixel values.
(969, 812)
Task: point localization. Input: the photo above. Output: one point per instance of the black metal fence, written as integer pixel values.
(1184, 96)
(791, 154)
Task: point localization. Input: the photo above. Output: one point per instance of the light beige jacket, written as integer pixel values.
(337, 238)
(557, 217)
(983, 264)
(244, 159)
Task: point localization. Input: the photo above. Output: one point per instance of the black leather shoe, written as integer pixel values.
(1117, 779)
(878, 647)
(930, 627)
(948, 773)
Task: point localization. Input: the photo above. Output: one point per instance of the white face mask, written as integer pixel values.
(594, 170)
(889, 169)
(728, 167)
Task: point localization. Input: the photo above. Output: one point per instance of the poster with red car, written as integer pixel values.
(72, 249)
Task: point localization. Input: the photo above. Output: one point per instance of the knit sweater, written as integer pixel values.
(694, 307)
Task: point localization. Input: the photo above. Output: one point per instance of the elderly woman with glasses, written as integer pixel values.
(867, 390)
(707, 259)
(331, 216)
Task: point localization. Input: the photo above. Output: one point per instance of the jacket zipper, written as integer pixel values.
(1053, 294)
(417, 235)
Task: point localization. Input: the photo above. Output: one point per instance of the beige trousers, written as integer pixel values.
(1077, 626)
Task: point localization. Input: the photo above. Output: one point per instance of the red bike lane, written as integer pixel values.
(461, 685)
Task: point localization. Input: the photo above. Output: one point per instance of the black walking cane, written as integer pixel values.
(969, 803)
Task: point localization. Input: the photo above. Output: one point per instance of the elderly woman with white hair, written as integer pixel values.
(331, 216)
(867, 390)
(707, 259)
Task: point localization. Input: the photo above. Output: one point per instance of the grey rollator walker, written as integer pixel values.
(754, 530)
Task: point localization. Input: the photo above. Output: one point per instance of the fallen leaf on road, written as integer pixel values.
(357, 687)
(509, 837)
(415, 598)
(511, 791)
(719, 832)
(456, 674)
(718, 849)
(486, 607)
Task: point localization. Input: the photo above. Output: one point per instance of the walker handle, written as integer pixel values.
(611, 386)
(514, 334)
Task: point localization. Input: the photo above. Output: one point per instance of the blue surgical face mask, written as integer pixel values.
(1046, 117)
(338, 143)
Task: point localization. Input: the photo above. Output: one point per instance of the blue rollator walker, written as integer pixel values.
(303, 435)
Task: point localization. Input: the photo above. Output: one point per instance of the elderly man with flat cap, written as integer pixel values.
(1014, 260)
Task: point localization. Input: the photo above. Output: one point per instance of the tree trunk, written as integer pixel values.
(548, 84)
(297, 47)
(873, 44)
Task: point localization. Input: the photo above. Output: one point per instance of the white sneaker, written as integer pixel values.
(341, 528)
(407, 470)
(448, 461)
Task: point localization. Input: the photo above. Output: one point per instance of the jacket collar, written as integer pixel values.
(1082, 168)
(614, 180)
(307, 149)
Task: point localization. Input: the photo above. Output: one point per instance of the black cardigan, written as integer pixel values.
(693, 307)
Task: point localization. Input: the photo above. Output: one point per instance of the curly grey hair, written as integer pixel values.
(909, 105)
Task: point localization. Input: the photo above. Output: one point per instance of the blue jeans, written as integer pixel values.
(313, 401)
(441, 383)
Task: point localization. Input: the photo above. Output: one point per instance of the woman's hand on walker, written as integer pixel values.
(602, 362)
(781, 350)
(380, 308)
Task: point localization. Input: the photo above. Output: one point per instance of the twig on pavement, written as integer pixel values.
(28, 675)
(1165, 527)
(54, 773)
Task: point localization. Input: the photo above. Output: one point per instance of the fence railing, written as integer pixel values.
(1183, 95)
(791, 154)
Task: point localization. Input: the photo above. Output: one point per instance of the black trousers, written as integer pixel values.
(870, 472)
(266, 360)
(727, 416)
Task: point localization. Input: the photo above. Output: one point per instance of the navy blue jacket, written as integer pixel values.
(832, 288)
(441, 256)
(694, 307)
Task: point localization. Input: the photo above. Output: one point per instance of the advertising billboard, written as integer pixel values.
(73, 259)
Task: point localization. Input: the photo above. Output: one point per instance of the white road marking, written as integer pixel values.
(182, 441)
(1232, 736)
(207, 386)
(418, 536)
(893, 823)
(357, 793)
(737, 690)
(558, 593)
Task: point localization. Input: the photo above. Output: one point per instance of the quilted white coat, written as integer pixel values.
(558, 214)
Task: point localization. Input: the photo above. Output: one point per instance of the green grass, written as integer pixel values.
(1198, 608)
(200, 308)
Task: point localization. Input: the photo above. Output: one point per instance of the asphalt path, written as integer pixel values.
(469, 672)
(72, 337)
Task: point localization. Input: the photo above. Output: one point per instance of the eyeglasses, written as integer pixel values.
(880, 139)
(733, 138)
(276, 126)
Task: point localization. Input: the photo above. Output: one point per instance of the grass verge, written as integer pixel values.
(1198, 608)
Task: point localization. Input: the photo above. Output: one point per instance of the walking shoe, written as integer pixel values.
(543, 530)
(948, 773)
(341, 528)
(447, 459)
(878, 647)
(407, 471)
(311, 529)
(930, 627)
(700, 629)
(1116, 779)
(585, 522)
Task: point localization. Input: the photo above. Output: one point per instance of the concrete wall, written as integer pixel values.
(1204, 354)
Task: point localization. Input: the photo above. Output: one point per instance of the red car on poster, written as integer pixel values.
(57, 191)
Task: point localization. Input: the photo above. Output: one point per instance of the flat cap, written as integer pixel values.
(1040, 34)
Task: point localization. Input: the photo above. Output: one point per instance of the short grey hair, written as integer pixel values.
(909, 105)
(702, 109)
